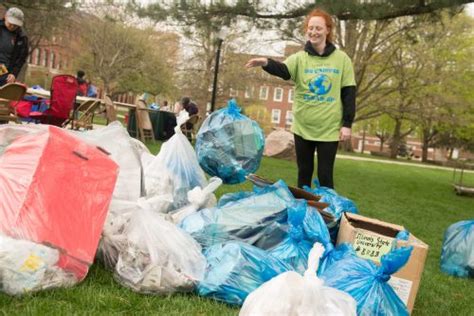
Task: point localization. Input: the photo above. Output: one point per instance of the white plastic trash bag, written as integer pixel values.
(27, 266)
(115, 139)
(198, 198)
(113, 238)
(175, 168)
(292, 294)
(158, 257)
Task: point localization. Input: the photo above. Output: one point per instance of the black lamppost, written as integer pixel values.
(220, 38)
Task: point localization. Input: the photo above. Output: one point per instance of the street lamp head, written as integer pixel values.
(223, 33)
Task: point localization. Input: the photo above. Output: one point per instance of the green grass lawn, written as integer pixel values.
(422, 200)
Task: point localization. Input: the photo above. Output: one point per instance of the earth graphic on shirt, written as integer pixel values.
(320, 85)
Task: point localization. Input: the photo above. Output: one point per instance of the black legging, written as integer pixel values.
(305, 160)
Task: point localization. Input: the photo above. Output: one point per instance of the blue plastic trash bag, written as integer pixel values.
(255, 219)
(337, 204)
(367, 282)
(235, 269)
(229, 145)
(233, 197)
(457, 254)
(316, 230)
(294, 249)
(305, 227)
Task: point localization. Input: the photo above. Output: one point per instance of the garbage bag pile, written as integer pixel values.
(229, 145)
(293, 294)
(140, 242)
(457, 255)
(55, 191)
(162, 230)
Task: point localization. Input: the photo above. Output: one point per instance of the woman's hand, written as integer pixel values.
(345, 133)
(256, 62)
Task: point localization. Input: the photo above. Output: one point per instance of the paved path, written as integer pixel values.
(394, 162)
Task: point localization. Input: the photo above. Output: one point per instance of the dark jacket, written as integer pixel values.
(20, 51)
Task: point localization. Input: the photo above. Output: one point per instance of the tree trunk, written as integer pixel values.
(424, 152)
(396, 138)
(363, 140)
(424, 149)
(450, 153)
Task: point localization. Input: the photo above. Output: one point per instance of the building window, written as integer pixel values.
(276, 113)
(289, 117)
(248, 92)
(290, 96)
(52, 60)
(44, 61)
(263, 93)
(36, 56)
(232, 92)
(278, 94)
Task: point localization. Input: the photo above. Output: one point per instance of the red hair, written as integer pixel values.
(327, 18)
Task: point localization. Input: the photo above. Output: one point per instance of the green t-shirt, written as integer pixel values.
(317, 107)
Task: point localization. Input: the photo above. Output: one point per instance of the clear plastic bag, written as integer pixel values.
(229, 145)
(120, 212)
(157, 257)
(367, 283)
(175, 168)
(235, 269)
(26, 266)
(292, 294)
(457, 255)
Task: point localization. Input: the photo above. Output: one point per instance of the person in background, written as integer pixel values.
(189, 106)
(13, 45)
(91, 90)
(192, 109)
(178, 107)
(165, 106)
(81, 81)
(325, 94)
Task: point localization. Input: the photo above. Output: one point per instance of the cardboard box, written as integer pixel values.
(373, 238)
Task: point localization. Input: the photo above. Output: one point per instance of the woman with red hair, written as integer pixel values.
(324, 102)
